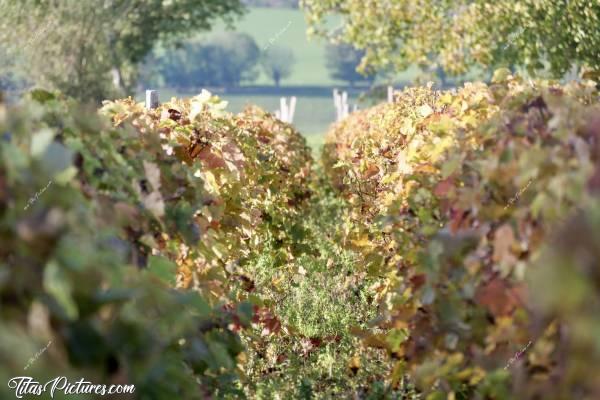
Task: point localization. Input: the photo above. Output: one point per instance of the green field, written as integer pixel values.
(287, 28)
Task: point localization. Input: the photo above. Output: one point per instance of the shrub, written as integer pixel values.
(453, 196)
(67, 282)
(186, 190)
(237, 180)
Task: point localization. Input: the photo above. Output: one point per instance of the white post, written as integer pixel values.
(345, 107)
(390, 94)
(286, 111)
(340, 101)
(151, 99)
(292, 109)
(337, 103)
(283, 108)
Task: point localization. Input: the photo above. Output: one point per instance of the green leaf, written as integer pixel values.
(500, 75)
(395, 338)
(163, 269)
(196, 304)
(450, 166)
(41, 140)
(58, 285)
(221, 355)
(245, 312)
(41, 95)
(56, 159)
(65, 176)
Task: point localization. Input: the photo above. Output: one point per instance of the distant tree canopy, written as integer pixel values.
(277, 63)
(226, 60)
(536, 34)
(240, 56)
(92, 49)
(342, 61)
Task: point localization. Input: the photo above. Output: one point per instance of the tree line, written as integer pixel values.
(230, 59)
(106, 49)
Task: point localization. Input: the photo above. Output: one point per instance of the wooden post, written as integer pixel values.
(390, 94)
(151, 99)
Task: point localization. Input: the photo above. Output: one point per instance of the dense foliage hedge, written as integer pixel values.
(234, 182)
(456, 198)
(84, 204)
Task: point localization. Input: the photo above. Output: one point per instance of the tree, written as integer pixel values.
(240, 54)
(535, 34)
(342, 61)
(222, 60)
(92, 49)
(277, 63)
(193, 65)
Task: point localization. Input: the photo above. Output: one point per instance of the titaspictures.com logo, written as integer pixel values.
(24, 385)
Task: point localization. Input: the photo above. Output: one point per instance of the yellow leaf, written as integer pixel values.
(425, 110)
(362, 242)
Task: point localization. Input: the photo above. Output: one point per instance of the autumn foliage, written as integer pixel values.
(446, 247)
(233, 181)
(90, 263)
(456, 197)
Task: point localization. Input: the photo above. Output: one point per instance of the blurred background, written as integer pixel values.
(254, 52)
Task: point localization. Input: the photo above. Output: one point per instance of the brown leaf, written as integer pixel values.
(498, 297)
(174, 114)
(195, 149)
(233, 154)
(418, 280)
(371, 171)
(458, 219)
(210, 159)
(443, 187)
(270, 323)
